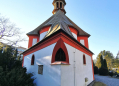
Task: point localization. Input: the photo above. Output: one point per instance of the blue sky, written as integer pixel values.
(100, 18)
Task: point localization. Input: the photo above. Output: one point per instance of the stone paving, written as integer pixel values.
(109, 81)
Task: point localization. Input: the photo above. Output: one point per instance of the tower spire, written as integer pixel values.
(59, 5)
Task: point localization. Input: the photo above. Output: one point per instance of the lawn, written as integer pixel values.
(99, 84)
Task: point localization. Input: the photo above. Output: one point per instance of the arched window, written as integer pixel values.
(32, 60)
(60, 55)
(57, 5)
(60, 5)
(84, 59)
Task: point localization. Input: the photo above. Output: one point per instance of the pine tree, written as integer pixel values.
(105, 64)
(103, 70)
(101, 60)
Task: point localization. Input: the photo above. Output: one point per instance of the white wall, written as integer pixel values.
(51, 73)
(42, 35)
(75, 36)
(82, 42)
(67, 71)
(60, 75)
(81, 70)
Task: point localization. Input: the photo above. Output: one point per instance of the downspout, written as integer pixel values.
(74, 67)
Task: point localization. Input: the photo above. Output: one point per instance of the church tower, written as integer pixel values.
(59, 5)
(58, 52)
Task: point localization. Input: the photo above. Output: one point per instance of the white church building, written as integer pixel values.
(58, 52)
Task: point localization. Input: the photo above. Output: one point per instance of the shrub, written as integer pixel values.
(115, 73)
(103, 71)
(11, 71)
(95, 70)
(111, 74)
(17, 76)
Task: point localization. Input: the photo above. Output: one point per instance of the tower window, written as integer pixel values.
(60, 55)
(57, 5)
(84, 59)
(60, 5)
(32, 60)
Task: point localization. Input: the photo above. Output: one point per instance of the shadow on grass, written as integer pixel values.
(99, 84)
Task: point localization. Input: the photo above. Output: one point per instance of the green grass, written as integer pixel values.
(99, 84)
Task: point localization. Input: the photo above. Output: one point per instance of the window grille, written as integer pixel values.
(40, 69)
(60, 55)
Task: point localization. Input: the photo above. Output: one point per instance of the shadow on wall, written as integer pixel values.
(51, 73)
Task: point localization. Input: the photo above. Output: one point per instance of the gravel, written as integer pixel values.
(109, 81)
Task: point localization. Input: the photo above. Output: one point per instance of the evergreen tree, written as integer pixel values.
(107, 56)
(95, 70)
(105, 64)
(15, 53)
(101, 61)
(1, 50)
(93, 64)
(103, 70)
(11, 71)
(19, 57)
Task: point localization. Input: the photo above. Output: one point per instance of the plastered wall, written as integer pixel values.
(60, 75)
(51, 73)
(75, 73)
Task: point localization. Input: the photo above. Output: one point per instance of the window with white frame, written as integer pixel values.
(82, 42)
(34, 41)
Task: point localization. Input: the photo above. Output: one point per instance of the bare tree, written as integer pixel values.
(9, 33)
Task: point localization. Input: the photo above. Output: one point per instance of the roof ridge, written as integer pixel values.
(77, 27)
(39, 27)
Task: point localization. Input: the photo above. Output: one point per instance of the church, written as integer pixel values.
(58, 52)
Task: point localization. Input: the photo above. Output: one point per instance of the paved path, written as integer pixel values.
(107, 80)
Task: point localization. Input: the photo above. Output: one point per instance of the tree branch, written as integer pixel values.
(9, 32)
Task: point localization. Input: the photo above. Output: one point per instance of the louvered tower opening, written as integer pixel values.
(60, 5)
